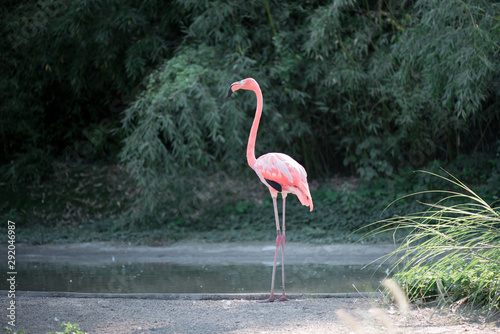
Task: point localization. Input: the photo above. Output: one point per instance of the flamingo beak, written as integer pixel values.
(231, 90)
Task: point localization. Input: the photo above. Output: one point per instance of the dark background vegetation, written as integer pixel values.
(115, 122)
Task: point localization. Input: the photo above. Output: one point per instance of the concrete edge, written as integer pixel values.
(188, 296)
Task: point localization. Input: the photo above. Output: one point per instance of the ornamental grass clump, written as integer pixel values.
(451, 254)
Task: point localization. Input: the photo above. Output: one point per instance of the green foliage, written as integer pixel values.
(341, 207)
(370, 87)
(83, 208)
(68, 68)
(10, 331)
(452, 251)
(459, 282)
(395, 88)
(183, 121)
(89, 205)
(178, 125)
(70, 329)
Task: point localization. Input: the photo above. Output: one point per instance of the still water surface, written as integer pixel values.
(175, 278)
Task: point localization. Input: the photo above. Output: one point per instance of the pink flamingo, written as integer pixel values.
(280, 173)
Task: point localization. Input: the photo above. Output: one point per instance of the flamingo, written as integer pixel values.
(280, 173)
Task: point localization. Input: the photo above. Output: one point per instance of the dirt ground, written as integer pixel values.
(39, 313)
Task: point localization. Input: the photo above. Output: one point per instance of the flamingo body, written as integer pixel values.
(280, 173)
(283, 170)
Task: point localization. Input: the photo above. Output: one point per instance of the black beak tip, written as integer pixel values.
(230, 92)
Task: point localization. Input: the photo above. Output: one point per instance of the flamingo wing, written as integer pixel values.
(281, 173)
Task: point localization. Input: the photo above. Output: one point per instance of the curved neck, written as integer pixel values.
(255, 125)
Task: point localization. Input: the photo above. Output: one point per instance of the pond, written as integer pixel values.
(178, 278)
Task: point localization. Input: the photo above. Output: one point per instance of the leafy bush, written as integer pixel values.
(367, 87)
(183, 122)
(68, 69)
(392, 84)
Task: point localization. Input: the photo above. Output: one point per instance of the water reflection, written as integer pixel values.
(175, 278)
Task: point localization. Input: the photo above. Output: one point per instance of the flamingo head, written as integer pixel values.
(248, 84)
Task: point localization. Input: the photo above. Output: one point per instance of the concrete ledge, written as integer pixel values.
(188, 296)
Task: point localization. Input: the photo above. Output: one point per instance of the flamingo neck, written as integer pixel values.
(255, 125)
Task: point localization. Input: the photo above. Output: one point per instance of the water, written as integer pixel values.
(175, 278)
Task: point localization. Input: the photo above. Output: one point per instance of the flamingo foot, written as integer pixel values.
(268, 300)
(283, 298)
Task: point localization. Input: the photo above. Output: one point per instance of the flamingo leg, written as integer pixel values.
(278, 243)
(283, 296)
